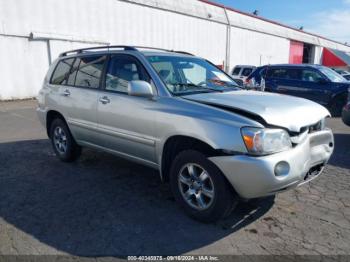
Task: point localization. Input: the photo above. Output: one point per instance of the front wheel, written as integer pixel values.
(63, 142)
(337, 105)
(200, 187)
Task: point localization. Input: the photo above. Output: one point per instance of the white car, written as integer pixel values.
(241, 72)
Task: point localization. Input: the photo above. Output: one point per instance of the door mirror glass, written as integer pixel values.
(140, 88)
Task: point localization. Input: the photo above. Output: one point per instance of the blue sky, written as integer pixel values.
(330, 18)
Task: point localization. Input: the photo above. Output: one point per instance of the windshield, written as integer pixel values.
(184, 75)
(332, 75)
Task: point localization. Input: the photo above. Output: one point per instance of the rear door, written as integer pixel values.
(283, 80)
(126, 123)
(80, 95)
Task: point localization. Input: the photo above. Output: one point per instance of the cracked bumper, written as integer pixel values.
(254, 177)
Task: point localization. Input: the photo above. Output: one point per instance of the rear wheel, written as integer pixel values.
(63, 142)
(200, 187)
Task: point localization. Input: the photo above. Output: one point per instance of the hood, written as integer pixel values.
(278, 110)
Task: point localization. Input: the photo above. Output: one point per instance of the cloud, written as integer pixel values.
(334, 24)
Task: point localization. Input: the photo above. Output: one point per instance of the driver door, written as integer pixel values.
(126, 123)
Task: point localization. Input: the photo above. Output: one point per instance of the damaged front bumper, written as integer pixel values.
(254, 177)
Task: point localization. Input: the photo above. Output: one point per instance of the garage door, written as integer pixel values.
(296, 52)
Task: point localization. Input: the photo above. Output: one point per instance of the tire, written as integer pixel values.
(189, 194)
(337, 105)
(63, 143)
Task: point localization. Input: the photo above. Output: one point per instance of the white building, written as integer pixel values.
(34, 32)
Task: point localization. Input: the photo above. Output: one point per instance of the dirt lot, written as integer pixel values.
(103, 205)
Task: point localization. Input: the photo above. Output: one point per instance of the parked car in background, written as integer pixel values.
(347, 77)
(241, 72)
(181, 115)
(256, 80)
(314, 82)
(341, 71)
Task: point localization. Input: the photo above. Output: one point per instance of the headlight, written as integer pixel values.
(261, 141)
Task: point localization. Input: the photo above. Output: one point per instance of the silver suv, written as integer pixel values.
(180, 114)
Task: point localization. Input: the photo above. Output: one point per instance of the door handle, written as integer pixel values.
(104, 100)
(66, 93)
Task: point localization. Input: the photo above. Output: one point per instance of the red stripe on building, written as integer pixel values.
(330, 59)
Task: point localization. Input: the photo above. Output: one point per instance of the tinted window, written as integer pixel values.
(247, 71)
(347, 77)
(236, 71)
(59, 77)
(293, 74)
(311, 76)
(89, 71)
(121, 70)
(277, 73)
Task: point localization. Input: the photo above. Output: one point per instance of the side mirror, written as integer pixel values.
(140, 88)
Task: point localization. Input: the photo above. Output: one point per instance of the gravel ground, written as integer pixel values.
(103, 205)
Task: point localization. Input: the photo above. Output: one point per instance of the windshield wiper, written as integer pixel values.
(200, 88)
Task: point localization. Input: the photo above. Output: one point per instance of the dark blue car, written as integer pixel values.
(317, 83)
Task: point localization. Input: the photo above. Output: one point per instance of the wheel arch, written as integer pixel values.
(50, 117)
(178, 143)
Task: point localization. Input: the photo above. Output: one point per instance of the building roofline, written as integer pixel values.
(268, 20)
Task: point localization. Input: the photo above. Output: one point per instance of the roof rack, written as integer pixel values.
(182, 52)
(163, 49)
(108, 47)
(126, 48)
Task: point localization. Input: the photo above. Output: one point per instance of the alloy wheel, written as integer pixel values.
(196, 186)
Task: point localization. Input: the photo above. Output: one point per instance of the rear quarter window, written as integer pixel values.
(61, 72)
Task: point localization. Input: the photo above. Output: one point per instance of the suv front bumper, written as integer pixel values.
(254, 177)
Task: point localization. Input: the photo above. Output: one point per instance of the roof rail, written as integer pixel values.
(182, 52)
(108, 47)
(125, 47)
(165, 50)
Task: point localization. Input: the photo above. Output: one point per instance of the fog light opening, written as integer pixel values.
(282, 169)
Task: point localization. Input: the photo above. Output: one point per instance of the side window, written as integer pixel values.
(293, 74)
(280, 73)
(311, 76)
(89, 71)
(236, 71)
(61, 72)
(121, 70)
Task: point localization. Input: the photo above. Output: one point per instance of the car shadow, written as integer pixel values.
(341, 155)
(102, 205)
